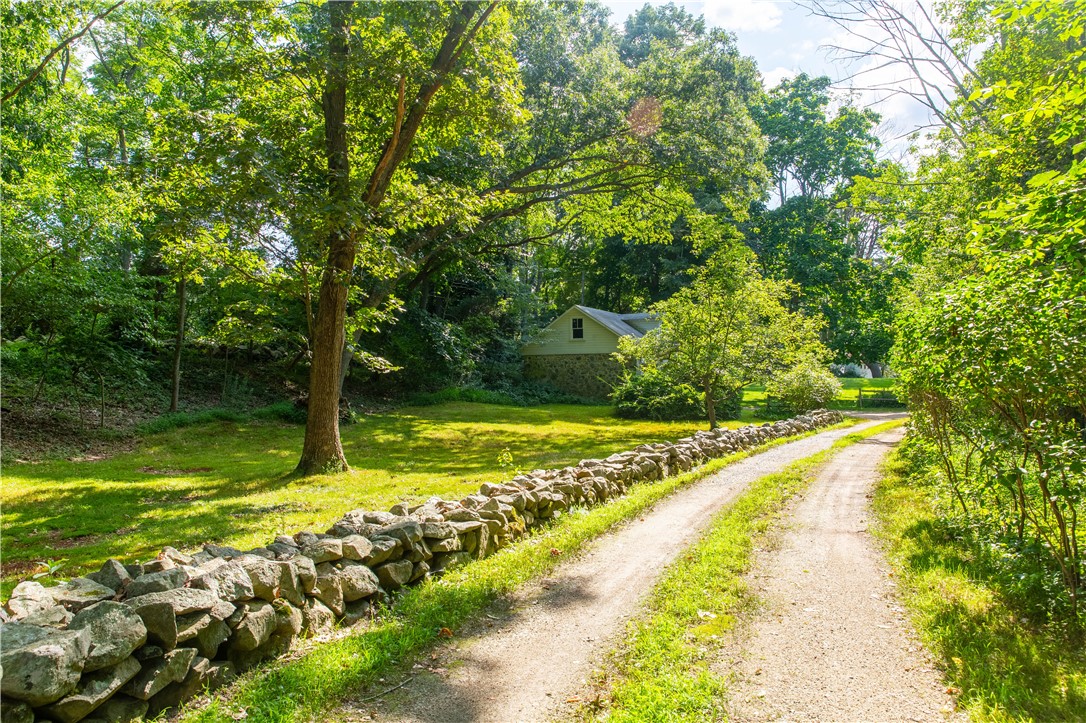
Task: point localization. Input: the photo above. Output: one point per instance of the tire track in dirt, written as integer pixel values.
(832, 643)
(532, 653)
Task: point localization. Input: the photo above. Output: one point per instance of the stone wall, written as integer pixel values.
(131, 641)
(586, 375)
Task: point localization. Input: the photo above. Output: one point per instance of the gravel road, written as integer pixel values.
(530, 656)
(831, 643)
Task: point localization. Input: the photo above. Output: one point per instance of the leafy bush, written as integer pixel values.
(525, 394)
(653, 396)
(805, 386)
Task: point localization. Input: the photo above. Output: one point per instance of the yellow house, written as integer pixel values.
(574, 351)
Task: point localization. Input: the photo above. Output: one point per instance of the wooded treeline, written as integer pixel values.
(229, 191)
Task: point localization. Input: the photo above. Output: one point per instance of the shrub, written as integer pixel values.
(805, 386)
(653, 396)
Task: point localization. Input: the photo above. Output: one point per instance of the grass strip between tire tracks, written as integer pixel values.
(661, 671)
(318, 679)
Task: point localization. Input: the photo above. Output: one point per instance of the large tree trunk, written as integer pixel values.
(322, 450)
(179, 343)
(876, 369)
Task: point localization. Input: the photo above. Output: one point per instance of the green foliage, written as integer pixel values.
(525, 394)
(982, 610)
(653, 395)
(730, 328)
(804, 387)
(991, 350)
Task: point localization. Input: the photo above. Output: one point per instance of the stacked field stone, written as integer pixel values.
(131, 641)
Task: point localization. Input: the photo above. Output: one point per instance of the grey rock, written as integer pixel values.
(228, 553)
(222, 610)
(170, 579)
(257, 625)
(115, 632)
(329, 587)
(418, 552)
(264, 552)
(378, 518)
(80, 592)
(28, 598)
(176, 693)
(210, 638)
(157, 673)
(182, 600)
(356, 547)
(263, 574)
(283, 552)
(52, 617)
(290, 587)
(191, 625)
(394, 575)
(384, 548)
(94, 689)
(438, 530)
(406, 531)
(14, 711)
(306, 570)
(462, 515)
(40, 664)
(148, 652)
(112, 574)
(122, 709)
(175, 555)
(357, 581)
(158, 565)
(316, 616)
(358, 611)
(160, 622)
(301, 539)
(421, 570)
(449, 561)
(451, 544)
(289, 619)
(227, 580)
(324, 550)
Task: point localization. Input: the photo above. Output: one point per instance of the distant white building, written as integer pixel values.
(574, 351)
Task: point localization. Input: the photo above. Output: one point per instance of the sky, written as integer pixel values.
(785, 40)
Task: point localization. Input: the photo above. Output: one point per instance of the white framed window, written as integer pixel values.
(578, 328)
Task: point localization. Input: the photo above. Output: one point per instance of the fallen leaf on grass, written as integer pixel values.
(574, 699)
(445, 633)
(555, 552)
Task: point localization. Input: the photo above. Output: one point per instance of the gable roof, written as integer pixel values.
(616, 323)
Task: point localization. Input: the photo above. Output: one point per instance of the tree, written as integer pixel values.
(728, 329)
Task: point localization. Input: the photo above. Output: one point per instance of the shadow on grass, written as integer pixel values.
(1007, 665)
(230, 482)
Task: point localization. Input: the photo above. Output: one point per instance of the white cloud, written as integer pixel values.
(772, 78)
(742, 15)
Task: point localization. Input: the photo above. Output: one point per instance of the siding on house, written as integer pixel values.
(582, 366)
(557, 338)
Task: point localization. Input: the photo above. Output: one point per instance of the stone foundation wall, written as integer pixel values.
(134, 640)
(586, 375)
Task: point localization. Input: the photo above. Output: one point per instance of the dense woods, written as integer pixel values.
(233, 203)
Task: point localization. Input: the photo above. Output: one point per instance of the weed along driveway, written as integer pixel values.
(830, 641)
(529, 658)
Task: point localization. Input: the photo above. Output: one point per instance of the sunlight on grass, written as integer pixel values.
(1009, 667)
(301, 689)
(229, 482)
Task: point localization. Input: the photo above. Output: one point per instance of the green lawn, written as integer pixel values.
(229, 482)
(850, 389)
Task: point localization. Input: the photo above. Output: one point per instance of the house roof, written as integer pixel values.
(614, 322)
